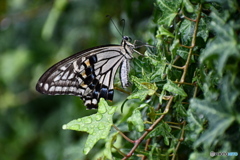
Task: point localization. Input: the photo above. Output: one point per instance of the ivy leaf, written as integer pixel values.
(189, 6)
(97, 125)
(111, 139)
(140, 94)
(219, 113)
(162, 129)
(152, 113)
(152, 153)
(136, 120)
(169, 11)
(144, 88)
(174, 48)
(203, 30)
(186, 29)
(139, 82)
(182, 52)
(180, 110)
(174, 88)
(195, 125)
(223, 47)
(219, 121)
(163, 32)
(160, 66)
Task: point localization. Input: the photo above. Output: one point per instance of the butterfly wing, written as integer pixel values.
(88, 74)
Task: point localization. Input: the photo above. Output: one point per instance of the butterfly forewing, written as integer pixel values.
(88, 74)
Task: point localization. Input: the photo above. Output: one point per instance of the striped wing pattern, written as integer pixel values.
(88, 74)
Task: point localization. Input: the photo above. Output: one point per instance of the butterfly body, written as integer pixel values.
(89, 74)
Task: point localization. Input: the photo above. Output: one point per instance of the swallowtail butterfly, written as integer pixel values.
(89, 74)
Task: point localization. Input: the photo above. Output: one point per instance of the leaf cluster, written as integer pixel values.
(185, 92)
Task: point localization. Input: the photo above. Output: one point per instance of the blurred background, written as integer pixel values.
(34, 35)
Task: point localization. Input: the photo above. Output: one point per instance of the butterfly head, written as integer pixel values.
(126, 38)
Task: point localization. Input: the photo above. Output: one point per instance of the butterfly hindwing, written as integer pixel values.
(88, 74)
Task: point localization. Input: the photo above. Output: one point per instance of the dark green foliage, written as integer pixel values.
(184, 96)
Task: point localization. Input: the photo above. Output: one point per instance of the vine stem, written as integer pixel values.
(182, 81)
(138, 141)
(124, 136)
(179, 141)
(193, 43)
(146, 148)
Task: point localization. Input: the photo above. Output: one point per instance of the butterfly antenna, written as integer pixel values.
(123, 21)
(108, 16)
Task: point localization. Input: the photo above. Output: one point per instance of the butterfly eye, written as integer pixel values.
(129, 39)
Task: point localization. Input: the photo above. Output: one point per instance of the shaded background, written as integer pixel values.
(35, 35)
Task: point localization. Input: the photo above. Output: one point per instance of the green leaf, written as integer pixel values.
(152, 113)
(144, 88)
(162, 129)
(159, 68)
(220, 113)
(161, 96)
(189, 6)
(158, 75)
(182, 52)
(174, 47)
(111, 139)
(97, 125)
(195, 125)
(154, 61)
(219, 121)
(163, 32)
(140, 94)
(152, 153)
(136, 120)
(180, 110)
(186, 29)
(223, 47)
(174, 88)
(203, 28)
(169, 11)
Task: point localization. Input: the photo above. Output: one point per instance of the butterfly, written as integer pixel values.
(90, 73)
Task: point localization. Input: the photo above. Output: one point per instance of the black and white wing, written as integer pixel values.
(88, 74)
